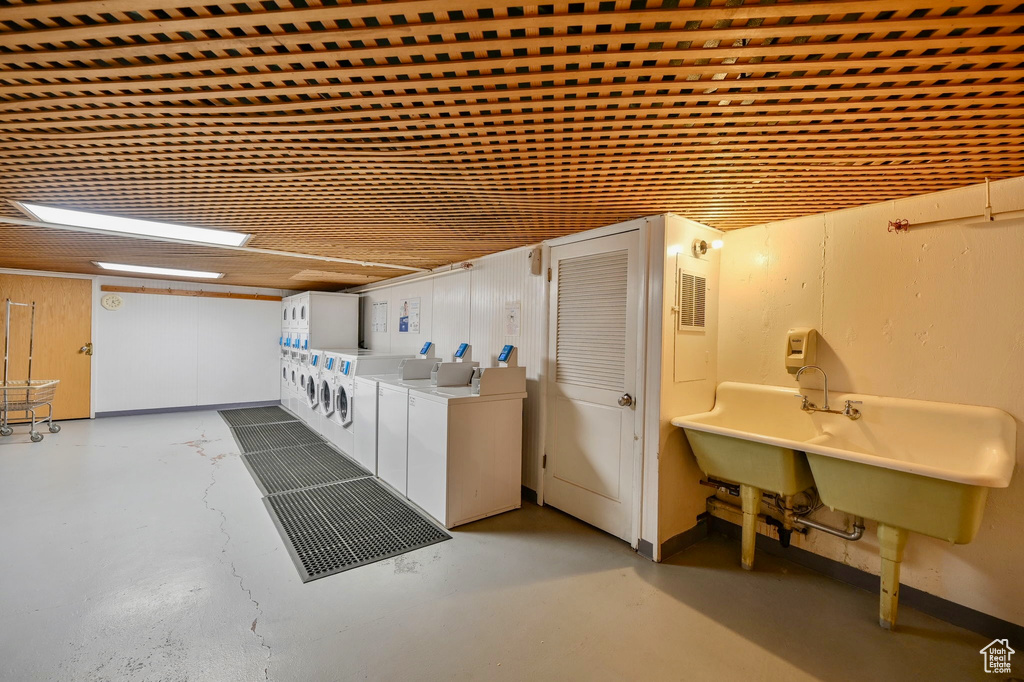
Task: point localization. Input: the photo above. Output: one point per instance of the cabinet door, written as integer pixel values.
(428, 456)
(364, 424)
(392, 433)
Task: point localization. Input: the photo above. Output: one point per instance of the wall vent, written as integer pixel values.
(690, 301)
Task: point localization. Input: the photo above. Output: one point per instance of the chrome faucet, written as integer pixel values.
(823, 376)
(807, 406)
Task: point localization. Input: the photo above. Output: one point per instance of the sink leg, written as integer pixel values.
(891, 542)
(751, 499)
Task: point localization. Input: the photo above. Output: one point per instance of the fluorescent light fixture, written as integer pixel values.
(149, 270)
(717, 244)
(133, 226)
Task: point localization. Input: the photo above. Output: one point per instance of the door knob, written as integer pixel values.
(626, 400)
(87, 349)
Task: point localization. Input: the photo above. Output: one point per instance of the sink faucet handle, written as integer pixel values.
(807, 404)
(850, 411)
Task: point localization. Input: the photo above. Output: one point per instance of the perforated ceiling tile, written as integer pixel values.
(336, 527)
(355, 130)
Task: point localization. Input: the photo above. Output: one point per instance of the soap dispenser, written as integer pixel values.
(801, 348)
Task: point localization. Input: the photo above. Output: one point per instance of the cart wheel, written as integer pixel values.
(54, 428)
(36, 436)
(6, 431)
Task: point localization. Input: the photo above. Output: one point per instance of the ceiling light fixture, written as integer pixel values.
(132, 226)
(168, 272)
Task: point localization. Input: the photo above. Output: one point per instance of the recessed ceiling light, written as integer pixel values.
(133, 226)
(149, 270)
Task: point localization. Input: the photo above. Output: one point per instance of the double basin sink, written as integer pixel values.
(912, 464)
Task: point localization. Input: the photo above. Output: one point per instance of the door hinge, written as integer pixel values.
(544, 461)
(549, 274)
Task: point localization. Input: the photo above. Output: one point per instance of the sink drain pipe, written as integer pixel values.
(856, 534)
(716, 504)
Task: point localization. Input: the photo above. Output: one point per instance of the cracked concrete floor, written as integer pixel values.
(138, 548)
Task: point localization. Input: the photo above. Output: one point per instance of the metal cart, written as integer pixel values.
(25, 397)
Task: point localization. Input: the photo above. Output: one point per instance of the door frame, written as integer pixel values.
(643, 227)
(92, 317)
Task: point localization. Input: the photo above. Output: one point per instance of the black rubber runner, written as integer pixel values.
(333, 514)
(302, 466)
(274, 436)
(251, 416)
(337, 527)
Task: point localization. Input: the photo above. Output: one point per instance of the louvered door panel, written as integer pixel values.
(594, 341)
(591, 342)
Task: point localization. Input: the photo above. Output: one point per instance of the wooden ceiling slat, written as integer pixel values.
(353, 129)
(950, 52)
(559, 16)
(909, 31)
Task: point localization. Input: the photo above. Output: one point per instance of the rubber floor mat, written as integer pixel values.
(250, 416)
(274, 436)
(299, 467)
(337, 527)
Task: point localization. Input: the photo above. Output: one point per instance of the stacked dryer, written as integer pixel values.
(310, 321)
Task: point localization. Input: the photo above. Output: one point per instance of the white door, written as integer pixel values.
(593, 349)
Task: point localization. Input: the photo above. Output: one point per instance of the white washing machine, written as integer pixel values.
(285, 380)
(293, 384)
(335, 406)
(307, 400)
(340, 426)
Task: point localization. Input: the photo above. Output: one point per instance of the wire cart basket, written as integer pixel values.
(25, 397)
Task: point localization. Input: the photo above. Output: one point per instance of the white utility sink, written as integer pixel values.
(911, 465)
(919, 465)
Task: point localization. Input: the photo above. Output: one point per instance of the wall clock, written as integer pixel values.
(112, 302)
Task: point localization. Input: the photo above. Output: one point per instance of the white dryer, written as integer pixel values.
(309, 382)
(340, 427)
(335, 401)
(285, 382)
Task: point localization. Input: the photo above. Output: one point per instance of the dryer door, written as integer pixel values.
(311, 395)
(343, 403)
(326, 397)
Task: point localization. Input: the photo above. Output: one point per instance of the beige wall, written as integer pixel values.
(688, 372)
(933, 314)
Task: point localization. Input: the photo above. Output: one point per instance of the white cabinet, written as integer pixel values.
(392, 435)
(364, 423)
(428, 455)
(464, 453)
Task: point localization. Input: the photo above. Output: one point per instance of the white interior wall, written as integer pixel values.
(932, 314)
(182, 351)
(687, 372)
(469, 306)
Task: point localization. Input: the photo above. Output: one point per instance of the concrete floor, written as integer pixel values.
(138, 548)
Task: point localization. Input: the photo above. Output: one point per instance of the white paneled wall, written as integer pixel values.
(469, 306)
(182, 351)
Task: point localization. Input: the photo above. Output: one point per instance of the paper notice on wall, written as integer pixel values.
(409, 316)
(513, 314)
(380, 317)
